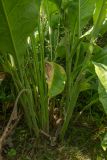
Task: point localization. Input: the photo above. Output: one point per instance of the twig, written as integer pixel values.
(50, 138)
(14, 119)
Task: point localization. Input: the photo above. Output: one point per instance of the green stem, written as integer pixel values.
(74, 96)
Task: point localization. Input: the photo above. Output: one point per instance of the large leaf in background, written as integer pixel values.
(50, 7)
(101, 71)
(17, 21)
(80, 12)
(100, 17)
(51, 11)
(86, 8)
(56, 78)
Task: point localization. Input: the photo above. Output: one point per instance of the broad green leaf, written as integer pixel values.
(17, 20)
(100, 17)
(101, 71)
(102, 96)
(56, 78)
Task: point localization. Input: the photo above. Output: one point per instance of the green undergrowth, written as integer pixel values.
(82, 142)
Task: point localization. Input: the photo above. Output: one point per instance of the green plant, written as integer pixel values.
(37, 38)
(18, 21)
(79, 42)
(22, 29)
(11, 153)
